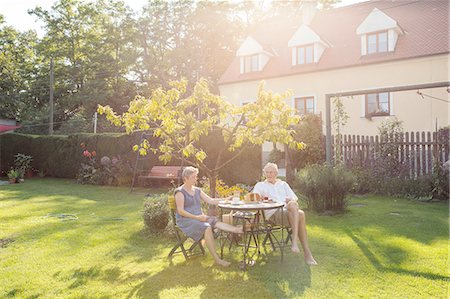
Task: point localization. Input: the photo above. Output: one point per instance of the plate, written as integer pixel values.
(238, 203)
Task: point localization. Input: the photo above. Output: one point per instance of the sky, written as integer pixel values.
(15, 11)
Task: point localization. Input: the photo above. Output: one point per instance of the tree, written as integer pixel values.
(179, 120)
(92, 45)
(17, 59)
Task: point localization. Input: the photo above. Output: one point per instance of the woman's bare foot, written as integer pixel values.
(295, 249)
(223, 263)
(309, 260)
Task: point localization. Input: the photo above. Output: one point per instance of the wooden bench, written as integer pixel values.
(163, 173)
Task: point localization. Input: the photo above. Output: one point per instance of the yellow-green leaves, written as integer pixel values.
(180, 120)
(200, 155)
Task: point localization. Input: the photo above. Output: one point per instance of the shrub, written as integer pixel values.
(324, 188)
(308, 131)
(440, 181)
(156, 213)
(364, 181)
(59, 156)
(22, 162)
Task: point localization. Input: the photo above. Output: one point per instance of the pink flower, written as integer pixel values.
(86, 153)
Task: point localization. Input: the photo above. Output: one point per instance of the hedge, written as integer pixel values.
(61, 155)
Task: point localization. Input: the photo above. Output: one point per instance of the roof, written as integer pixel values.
(425, 24)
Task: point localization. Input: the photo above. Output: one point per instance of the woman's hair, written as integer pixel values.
(187, 171)
(270, 165)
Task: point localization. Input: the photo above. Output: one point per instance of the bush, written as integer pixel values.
(324, 188)
(367, 181)
(59, 156)
(364, 181)
(156, 213)
(440, 181)
(308, 131)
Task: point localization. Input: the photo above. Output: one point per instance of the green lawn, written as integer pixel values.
(383, 247)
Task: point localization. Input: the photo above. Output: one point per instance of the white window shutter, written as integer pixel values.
(363, 44)
(315, 53)
(363, 106)
(391, 103)
(294, 55)
(315, 105)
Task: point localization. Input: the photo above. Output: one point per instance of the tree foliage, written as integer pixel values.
(105, 53)
(179, 119)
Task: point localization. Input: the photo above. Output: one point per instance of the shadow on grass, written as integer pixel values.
(377, 264)
(273, 279)
(424, 223)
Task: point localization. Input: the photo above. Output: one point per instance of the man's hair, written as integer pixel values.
(270, 165)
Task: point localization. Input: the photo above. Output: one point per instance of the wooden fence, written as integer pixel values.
(417, 151)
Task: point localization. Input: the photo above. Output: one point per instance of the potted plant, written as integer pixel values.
(23, 163)
(13, 176)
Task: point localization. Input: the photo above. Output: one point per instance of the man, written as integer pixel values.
(280, 191)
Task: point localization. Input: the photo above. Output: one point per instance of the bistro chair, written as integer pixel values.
(275, 227)
(181, 237)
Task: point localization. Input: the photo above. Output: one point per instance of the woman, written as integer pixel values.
(190, 217)
(280, 191)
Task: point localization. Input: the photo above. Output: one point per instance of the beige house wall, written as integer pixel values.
(417, 113)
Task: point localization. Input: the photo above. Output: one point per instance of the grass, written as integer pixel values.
(383, 247)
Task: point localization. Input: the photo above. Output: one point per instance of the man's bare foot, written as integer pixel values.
(309, 260)
(223, 263)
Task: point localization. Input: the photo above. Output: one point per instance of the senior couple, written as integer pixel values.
(196, 225)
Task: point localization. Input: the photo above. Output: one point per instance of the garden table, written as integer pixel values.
(251, 215)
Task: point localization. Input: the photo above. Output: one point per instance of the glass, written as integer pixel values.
(371, 43)
(309, 54)
(382, 42)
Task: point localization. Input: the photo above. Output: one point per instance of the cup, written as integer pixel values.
(236, 200)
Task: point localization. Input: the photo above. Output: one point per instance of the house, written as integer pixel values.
(362, 47)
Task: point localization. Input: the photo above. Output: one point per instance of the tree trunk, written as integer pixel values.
(213, 183)
(212, 211)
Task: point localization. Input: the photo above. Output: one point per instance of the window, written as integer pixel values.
(305, 54)
(377, 42)
(377, 104)
(251, 63)
(304, 105)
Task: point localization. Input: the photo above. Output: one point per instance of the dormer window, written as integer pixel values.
(379, 33)
(377, 42)
(305, 54)
(307, 46)
(251, 63)
(253, 57)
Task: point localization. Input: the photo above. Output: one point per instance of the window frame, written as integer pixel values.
(305, 101)
(377, 42)
(377, 99)
(250, 59)
(304, 47)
